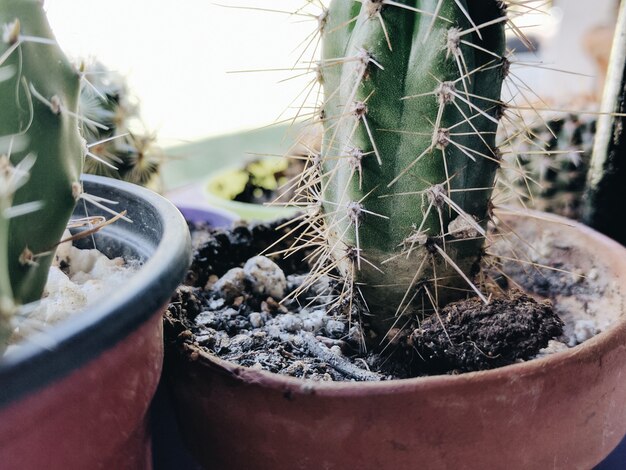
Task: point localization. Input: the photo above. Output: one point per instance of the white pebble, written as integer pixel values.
(231, 285)
(91, 277)
(256, 320)
(336, 350)
(313, 321)
(291, 323)
(552, 347)
(335, 328)
(584, 330)
(267, 278)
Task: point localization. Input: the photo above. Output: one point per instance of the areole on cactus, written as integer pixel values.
(404, 180)
(41, 148)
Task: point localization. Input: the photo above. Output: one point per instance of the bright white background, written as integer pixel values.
(176, 54)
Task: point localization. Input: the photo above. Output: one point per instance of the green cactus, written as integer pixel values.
(115, 149)
(547, 171)
(412, 103)
(604, 193)
(40, 130)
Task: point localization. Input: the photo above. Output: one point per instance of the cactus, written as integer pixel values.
(548, 170)
(39, 135)
(604, 193)
(405, 176)
(115, 149)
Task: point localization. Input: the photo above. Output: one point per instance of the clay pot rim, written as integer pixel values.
(589, 351)
(159, 236)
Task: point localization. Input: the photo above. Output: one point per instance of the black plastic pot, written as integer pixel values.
(81, 401)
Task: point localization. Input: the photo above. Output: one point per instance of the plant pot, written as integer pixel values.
(222, 186)
(214, 217)
(82, 403)
(168, 450)
(564, 411)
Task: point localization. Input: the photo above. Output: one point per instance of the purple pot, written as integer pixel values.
(191, 202)
(213, 216)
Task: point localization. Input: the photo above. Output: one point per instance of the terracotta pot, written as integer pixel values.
(82, 402)
(564, 411)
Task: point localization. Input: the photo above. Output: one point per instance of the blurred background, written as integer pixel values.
(179, 57)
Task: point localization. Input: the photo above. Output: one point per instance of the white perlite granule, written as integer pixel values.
(90, 276)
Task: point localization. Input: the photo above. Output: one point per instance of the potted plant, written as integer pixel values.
(119, 145)
(75, 396)
(260, 189)
(399, 215)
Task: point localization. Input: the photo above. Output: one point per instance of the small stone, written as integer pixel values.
(274, 306)
(313, 321)
(222, 341)
(294, 281)
(242, 342)
(335, 328)
(259, 335)
(238, 301)
(336, 350)
(266, 276)
(584, 330)
(216, 303)
(552, 347)
(274, 331)
(211, 282)
(256, 320)
(231, 285)
(205, 339)
(206, 319)
(230, 313)
(291, 323)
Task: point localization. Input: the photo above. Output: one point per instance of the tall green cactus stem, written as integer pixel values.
(412, 103)
(604, 194)
(38, 107)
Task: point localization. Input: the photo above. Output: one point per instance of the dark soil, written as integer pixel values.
(231, 311)
(470, 335)
(217, 251)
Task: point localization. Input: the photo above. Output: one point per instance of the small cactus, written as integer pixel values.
(605, 191)
(41, 151)
(549, 168)
(116, 149)
(407, 167)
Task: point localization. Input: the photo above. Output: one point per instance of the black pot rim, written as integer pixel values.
(86, 335)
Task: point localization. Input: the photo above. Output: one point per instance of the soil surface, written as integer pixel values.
(471, 335)
(243, 308)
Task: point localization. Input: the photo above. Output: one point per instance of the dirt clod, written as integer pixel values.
(470, 335)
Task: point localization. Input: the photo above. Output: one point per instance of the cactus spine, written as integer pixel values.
(411, 107)
(548, 169)
(38, 124)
